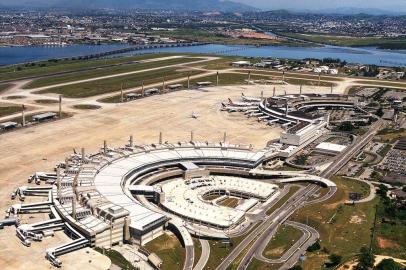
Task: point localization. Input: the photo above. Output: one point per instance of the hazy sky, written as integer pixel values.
(394, 5)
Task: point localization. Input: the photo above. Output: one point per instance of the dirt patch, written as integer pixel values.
(386, 243)
(356, 219)
(274, 251)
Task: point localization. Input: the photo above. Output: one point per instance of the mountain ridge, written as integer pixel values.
(206, 5)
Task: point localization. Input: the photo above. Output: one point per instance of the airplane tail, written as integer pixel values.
(230, 101)
(242, 94)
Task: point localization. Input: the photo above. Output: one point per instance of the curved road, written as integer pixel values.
(205, 255)
(310, 236)
(270, 223)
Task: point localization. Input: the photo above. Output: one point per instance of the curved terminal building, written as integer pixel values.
(133, 193)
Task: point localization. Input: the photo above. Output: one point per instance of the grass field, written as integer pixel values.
(383, 83)
(343, 229)
(292, 74)
(224, 79)
(390, 237)
(391, 135)
(104, 86)
(218, 250)
(117, 259)
(8, 109)
(169, 250)
(308, 82)
(383, 43)
(56, 66)
(106, 72)
(223, 63)
(198, 250)
(284, 238)
(258, 265)
(4, 87)
(46, 101)
(214, 37)
(87, 107)
(15, 97)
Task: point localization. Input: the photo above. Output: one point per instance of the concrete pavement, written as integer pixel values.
(205, 255)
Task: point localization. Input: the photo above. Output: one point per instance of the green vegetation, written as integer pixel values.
(383, 83)
(388, 264)
(229, 78)
(4, 87)
(294, 75)
(349, 226)
(107, 72)
(366, 260)
(219, 250)
(104, 86)
(46, 101)
(87, 107)
(256, 264)
(346, 127)
(301, 159)
(390, 227)
(169, 250)
(117, 259)
(224, 79)
(56, 66)
(15, 97)
(316, 246)
(284, 238)
(309, 82)
(208, 36)
(198, 250)
(333, 260)
(278, 204)
(8, 110)
(223, 63)
(390, 135)
(382, 43)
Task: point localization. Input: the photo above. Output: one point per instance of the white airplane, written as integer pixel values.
(250, 99)
(237, 108)
(241, 104)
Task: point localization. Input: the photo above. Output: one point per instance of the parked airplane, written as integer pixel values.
(241, 104)
(237, 108)
(250, 99)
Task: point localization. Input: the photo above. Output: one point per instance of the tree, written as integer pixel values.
(346, 126)
(388, 264)
(366, 260)
(382, 190)
(380, 112)
(334, 260)
(296, 267)
(316, 246)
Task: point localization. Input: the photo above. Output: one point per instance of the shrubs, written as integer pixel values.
(316, 246)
